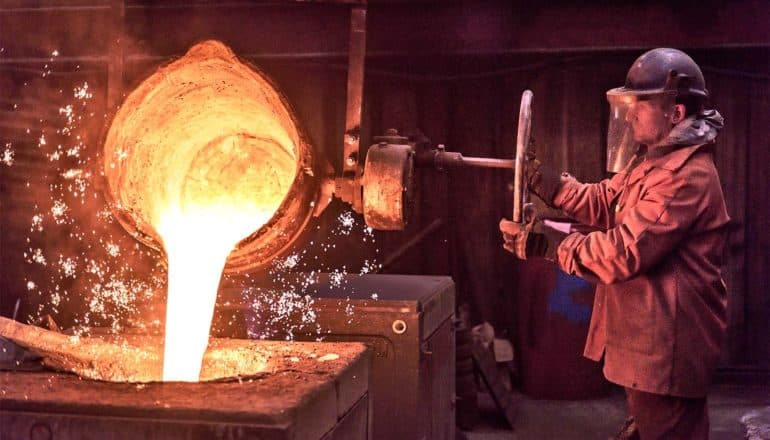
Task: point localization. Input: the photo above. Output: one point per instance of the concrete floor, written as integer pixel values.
(602, 417)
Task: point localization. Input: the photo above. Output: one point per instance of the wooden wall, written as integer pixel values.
(451, 70)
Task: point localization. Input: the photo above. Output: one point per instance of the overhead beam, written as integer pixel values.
(318, 30)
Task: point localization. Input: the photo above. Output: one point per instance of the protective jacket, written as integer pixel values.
(659, 314)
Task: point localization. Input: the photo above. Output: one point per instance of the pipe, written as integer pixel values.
(441, 159)
(485, 162)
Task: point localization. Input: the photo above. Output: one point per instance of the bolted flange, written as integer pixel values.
(388, 186)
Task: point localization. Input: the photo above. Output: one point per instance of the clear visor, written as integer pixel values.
(621, 146)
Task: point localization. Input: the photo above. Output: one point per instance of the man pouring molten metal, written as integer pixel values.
(660, 308)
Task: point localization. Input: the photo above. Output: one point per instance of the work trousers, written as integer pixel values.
(660, 417)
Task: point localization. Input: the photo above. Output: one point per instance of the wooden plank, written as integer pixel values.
(71, 32)
(548, 86)
(586, 110)
(276, 30)
(581, 150)
(496, 27)
(757, 301)
(475, 208)
(434, 122)
(487, 367)
(398, 108)
(728, 96)
(116, 53)
(270, 29)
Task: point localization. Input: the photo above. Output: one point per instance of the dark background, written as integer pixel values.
(449, 69)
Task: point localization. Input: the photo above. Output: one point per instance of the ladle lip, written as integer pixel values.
(257, 251)
(283, 229)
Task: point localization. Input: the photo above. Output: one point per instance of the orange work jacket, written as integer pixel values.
(659, 314)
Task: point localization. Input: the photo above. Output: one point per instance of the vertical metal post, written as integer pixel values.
(357, 50)
(115, 66)
(347, 185)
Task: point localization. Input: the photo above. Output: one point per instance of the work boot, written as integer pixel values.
(628, 431)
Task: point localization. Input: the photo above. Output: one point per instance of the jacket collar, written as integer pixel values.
(672, 157)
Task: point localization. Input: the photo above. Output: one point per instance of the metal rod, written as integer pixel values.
(485, 162)
(442, 159)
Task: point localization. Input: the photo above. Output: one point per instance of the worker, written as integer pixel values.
(659, 313)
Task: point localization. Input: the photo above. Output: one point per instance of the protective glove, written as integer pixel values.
(542, 180)
(532, 239)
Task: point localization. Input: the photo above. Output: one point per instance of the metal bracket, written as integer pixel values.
(347, 185)
(355, 91)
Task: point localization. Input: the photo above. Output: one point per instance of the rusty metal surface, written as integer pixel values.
(302, 400)
(138, 358)
(47, 425)
(365, 305)
(347, 185)
(355, 90)
(355, 424)
(388, 186)
(413, 380)
(412, 369)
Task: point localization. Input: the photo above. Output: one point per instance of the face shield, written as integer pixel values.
(622, 142)
(621, 146)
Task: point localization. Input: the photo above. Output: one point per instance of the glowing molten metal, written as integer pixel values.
(200, 156)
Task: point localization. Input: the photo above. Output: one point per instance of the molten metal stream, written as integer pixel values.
(197, 244)
(201, 155)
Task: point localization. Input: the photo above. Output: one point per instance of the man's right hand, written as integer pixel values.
(542, 180)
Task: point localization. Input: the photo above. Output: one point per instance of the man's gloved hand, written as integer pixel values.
(542, 180)
(533, 239)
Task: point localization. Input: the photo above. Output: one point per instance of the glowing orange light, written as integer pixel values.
(197, 244)
(200, 155)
